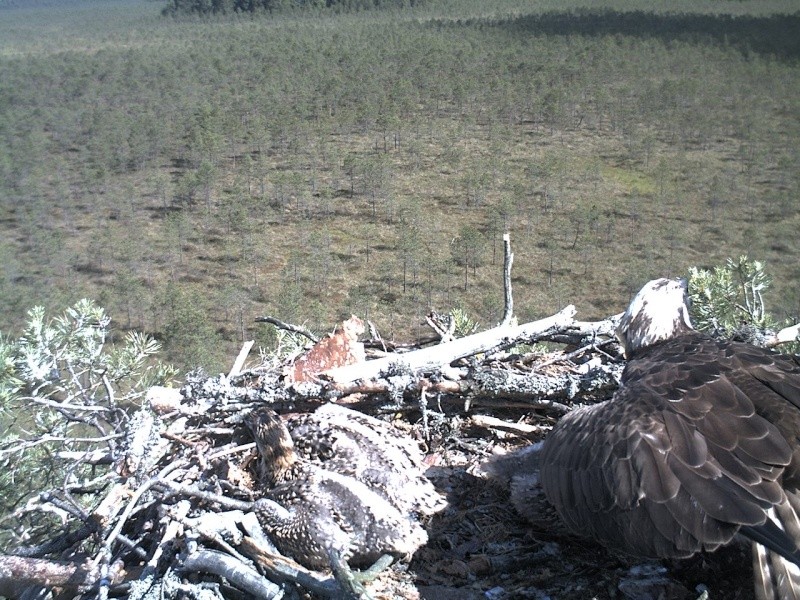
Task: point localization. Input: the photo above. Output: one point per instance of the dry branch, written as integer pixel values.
(436, 357)
(241, 576)
(283, 569)
(508, 261)
(238, 364)
(18, 572)
(493, 423)
(288, 327)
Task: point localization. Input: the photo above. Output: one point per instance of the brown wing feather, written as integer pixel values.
(700, 440)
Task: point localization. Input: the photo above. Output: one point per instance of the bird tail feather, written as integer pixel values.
(777, 578)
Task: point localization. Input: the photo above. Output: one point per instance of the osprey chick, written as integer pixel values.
(701, 442)
(325, 512)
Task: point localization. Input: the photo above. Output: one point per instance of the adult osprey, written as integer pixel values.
(700, 443)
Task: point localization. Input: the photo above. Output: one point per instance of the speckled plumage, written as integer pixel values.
(309, 508)
(373, 452)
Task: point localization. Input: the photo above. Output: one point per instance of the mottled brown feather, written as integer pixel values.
(310, 510)
(701, 442)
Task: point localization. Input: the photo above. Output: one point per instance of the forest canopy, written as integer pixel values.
(193, 173)
(251, 6)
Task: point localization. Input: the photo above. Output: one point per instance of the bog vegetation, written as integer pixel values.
(192, 172)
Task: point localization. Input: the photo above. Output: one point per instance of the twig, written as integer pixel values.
(213, 531)
(584, 332)
(132, 546)
(87, 457)
(106, 548)
(18, 445)
(568, 356)
(288, 327)
(94, 523)
(171, 531)
(68, 507)
(64, 406)
(109, 389)
(183, 441)
(92, 486)
(236, 449)
(185, 490)
(520, 429)
(443, 330)
(500, 403)
(373, 332)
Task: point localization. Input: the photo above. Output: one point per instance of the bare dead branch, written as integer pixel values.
(283, 569)
(443, 354)
(17, 572)
(375, 335)
(67, 406)
(19, 445)
(784, 336)
(443, 325)
(232, 450)
(92, 457)
(58, 544)
(288, 327)
(241, 576)
(109, 389)
(520, 429)
(111, 537)
(581, 333)
(173, 528)
(568, 356)
(508, 261)
(242, 356)
(185, 490)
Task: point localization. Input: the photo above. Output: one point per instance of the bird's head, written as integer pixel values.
(275, 446)
(659, 311)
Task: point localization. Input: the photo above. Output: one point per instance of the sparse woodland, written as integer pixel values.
(212, 180)
(193, 173)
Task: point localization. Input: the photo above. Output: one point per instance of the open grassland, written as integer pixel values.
(191, 174)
